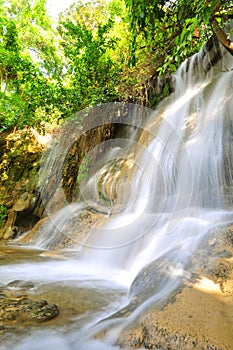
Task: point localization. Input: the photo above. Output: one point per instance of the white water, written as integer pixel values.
(175, 200)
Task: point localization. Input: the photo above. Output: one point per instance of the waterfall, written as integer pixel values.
(178, 190)
(165, 189)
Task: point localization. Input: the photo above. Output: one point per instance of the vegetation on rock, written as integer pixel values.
(3, 214)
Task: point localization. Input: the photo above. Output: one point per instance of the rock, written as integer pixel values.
(22, 203)
(19, 162)
(21, 309)
(200, 315)
(7, 231)
(19, 284)
(71, 234)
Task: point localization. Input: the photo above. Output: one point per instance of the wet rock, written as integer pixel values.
(21, 309)
(4, 330)
(160, 339)
(222, 271)
(200, 315)
(2, 295)
(7, 231)
(70, 234)
(19, 284)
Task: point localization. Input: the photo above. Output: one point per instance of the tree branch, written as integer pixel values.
(221, 35)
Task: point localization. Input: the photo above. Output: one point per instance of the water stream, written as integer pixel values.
(176, 193)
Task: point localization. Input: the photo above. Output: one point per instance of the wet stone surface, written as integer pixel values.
(16, 307)
(200, 315)
(21, 284)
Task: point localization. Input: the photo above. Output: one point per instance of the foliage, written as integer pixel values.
(27, 64)
(90, 43)
(3, 214)
(172, 30)
(83, 170)
(101, 51)
(47, 74)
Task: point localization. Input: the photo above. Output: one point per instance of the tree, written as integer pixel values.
(223, 13)
(93, 52)
(174, 30)
(47, 73)
(29, 67)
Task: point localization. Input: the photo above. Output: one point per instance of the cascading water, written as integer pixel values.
(172, 194)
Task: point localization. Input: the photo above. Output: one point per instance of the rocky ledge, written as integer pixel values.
(200, 315)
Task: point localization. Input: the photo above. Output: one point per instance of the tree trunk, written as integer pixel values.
(221, 35)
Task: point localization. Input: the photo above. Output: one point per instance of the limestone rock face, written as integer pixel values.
(19, 165)
(199, 316)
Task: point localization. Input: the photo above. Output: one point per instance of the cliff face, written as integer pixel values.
(20, 153)
(21, 205)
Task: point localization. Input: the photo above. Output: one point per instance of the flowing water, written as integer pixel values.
(176, 192)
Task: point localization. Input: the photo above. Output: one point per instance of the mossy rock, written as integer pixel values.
(21, 309)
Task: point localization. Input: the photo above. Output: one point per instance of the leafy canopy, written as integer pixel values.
(93, 51)
(173, 30)
(100, 51)
(48, 73)
(28, 64)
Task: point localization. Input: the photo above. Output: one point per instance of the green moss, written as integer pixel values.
(3, 214)
(83, 170)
